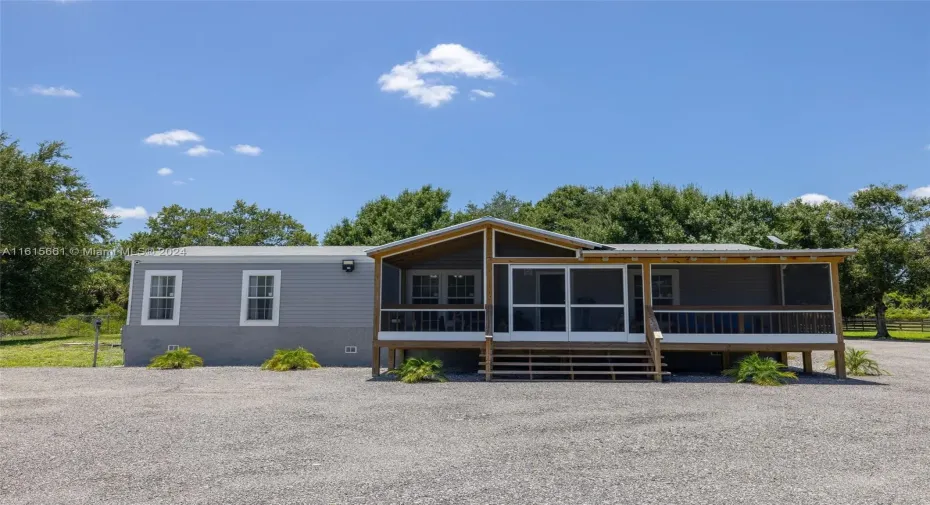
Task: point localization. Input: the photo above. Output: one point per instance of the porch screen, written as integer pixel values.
(597, 300)
(538, 299)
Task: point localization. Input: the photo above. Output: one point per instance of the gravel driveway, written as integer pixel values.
(240, 435)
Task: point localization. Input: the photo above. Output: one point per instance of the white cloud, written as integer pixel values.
(201, 150)
(172, 138)
(444, 59)
(136, 212)
(247, 149)
(483, 93)
(815, 198)
(190, 178)
(178, 183)
(921, 192)
(165, 171)
(61, 91)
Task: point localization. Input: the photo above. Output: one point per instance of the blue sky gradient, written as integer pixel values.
(781, 99)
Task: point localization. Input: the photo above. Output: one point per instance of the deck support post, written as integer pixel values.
(839, 355)
(488, 356)
(392, 357)
(783, 357)
(375, 360)
(808, 361)
(376, 322)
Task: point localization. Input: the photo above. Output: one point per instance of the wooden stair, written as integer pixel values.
(570, 364)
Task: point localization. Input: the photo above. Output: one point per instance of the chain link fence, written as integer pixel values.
(77, 325)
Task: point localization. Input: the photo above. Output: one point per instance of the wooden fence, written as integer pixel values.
(868, 324)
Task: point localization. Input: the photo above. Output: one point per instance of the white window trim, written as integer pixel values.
(244, 301)
(146, 299)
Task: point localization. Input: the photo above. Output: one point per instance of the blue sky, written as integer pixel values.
(782, 99)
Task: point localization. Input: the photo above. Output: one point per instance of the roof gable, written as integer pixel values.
(477, 225)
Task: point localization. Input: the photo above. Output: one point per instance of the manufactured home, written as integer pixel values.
(498, 298)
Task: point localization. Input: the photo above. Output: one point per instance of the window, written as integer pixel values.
(665, 289)
(161, 298)
(444, 287)
(261, 297)
(460, 289)
(425, 290)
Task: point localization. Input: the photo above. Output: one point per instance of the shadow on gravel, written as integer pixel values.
(814, 379)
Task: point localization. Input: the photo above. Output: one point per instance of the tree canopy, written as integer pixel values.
(243, 225)
(49, 218)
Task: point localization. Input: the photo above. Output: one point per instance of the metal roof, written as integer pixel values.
(708, 251)
(682, 247)
(494, 220)
(252, 252)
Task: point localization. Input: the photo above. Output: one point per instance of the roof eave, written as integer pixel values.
(728, 254)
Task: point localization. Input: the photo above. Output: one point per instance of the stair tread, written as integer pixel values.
(561, 363)
(621, 356)
(576, 372)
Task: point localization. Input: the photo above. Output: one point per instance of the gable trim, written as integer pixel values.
(482, 223)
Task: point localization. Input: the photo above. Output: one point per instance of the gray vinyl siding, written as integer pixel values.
(312, 294)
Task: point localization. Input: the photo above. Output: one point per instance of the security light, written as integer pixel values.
(348, 265)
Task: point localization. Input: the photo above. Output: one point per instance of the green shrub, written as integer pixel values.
(418, 370)
(179, 358)
(291, 359)
(761, 371)
(11, 326)
(73, 326)
(112, 316)
(858, 362)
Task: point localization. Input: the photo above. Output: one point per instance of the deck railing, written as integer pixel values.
(801, 319)
(654, 341)
(434, 318)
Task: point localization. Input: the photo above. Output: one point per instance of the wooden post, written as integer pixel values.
(808, 361)
(839, 355)
(376, 325)
(392, 357)
(489, 281)
(488, 356)
(784, 358)
(726, 360)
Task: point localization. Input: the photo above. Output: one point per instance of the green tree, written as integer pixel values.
(243, 225)
(45, 203)
(388, 219)
(884, 225)
(502, 206)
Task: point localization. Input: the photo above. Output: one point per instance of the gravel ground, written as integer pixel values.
(240, 435)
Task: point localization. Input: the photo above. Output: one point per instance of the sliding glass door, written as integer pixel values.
(562, 304)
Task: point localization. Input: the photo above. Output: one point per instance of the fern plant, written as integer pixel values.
(179, 358)
(419, 370)
(858, 362)
(291, 359)
(761, 371)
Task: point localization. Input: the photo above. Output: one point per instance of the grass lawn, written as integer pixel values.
(895, 335)
(52, 350)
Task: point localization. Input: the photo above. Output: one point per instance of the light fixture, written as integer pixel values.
(348, 266)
